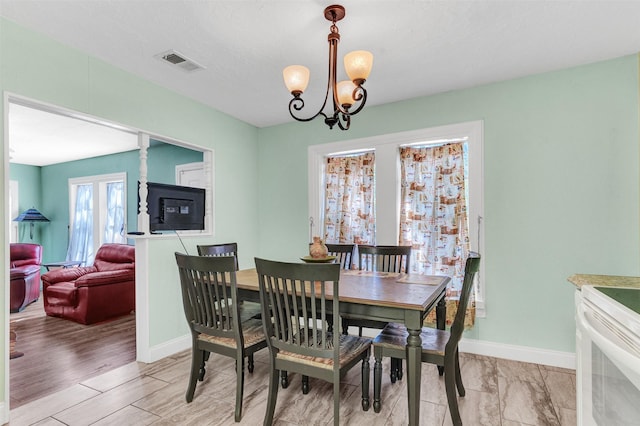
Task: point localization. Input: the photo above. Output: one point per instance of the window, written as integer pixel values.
(388, 180)
(96, 214)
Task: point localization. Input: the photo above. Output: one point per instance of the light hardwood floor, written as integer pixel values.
(499, 392)
(59, 353)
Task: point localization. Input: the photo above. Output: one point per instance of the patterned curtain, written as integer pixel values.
(349, 205)
(433, 217)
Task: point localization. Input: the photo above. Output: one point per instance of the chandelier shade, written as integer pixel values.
(345, 93)
(296, 78)
(358, 64)
(346, 98)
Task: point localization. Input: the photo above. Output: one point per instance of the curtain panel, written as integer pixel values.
(433, 217)
(349, 205)
(114, 224)
(81, 241)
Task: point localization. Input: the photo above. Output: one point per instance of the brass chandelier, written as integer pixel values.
(348, 97)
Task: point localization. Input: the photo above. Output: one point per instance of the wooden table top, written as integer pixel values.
(406, 291)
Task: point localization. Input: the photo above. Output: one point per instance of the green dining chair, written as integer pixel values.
(381, 259)
(226, 249)
(344, 257)
(247, 309)
(438, 346)
(343, 254)
(209, 298)
(297, 297)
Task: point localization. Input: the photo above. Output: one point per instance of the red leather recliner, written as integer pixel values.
(90, 294)
(24, 266)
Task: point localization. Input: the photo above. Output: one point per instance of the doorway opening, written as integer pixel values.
(37, 183)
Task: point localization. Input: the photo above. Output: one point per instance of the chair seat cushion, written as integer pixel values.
(394, 336)
(252, 332)
(351, 347)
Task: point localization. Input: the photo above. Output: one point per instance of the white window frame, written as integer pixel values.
(99, 183)
(387, 163)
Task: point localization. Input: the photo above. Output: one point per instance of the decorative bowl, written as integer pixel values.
(327, 259)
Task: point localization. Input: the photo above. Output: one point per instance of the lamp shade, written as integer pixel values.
(358, 64)
(31, 215)
(296, 78)
(345, 92)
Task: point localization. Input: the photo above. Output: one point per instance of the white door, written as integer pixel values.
(191, 174)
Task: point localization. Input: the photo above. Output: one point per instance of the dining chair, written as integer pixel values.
(297, 298)
(344, 257)
(384, 258)
(343, 254)
(438, 346)
(226, 249)
(381, 259)
(248, 309)
(209, 298)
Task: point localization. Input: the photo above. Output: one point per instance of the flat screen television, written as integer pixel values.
(175, 208)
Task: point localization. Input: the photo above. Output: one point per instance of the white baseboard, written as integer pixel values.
(4, 413)
(478, 347)
(156, 353)
(519, 353)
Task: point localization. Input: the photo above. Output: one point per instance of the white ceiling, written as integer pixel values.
(420, 47)
(40, 138)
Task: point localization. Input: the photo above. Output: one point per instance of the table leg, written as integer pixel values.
(441, 322)
(414, 372)
(441, 314)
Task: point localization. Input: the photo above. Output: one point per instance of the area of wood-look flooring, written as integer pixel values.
(499, 393)
(59, 353)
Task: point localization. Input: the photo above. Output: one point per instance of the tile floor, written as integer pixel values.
(499, 392)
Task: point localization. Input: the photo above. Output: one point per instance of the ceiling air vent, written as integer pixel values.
(179, 60)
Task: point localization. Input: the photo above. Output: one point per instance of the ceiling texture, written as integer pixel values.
(420, 47)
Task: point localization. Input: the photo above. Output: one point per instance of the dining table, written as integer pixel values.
(383, 296)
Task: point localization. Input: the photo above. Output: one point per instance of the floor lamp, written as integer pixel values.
(31, 216)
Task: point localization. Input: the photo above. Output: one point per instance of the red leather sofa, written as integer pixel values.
(24, 271)
(90, 294)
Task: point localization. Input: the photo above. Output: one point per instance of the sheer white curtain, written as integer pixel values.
(99, 209)
(81, 241)
(114, 225)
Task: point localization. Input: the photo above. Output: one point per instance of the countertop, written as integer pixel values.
(604, 280)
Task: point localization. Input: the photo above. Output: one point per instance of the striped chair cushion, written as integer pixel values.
(251, 330)
(351, 347)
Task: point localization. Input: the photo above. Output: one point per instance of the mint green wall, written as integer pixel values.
(30, 195)
(161, 163)
(561, 184)
(36, 67)
(162, 160)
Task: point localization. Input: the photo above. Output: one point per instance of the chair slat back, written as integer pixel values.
(470, 270)
(343, 253)
(209, 294)
(384, 258)
(297, 297)
(227, 249)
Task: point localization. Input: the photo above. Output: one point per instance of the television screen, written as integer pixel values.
(175, 208)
